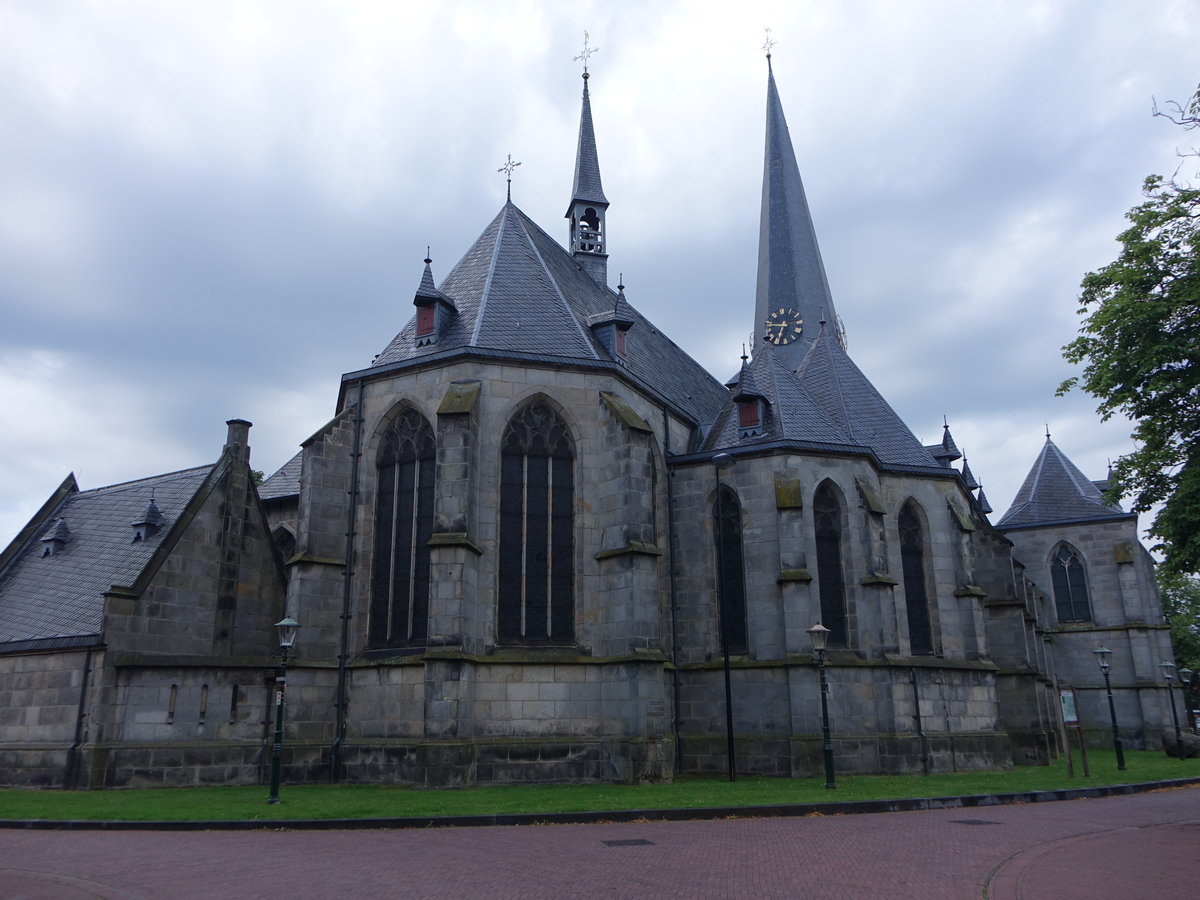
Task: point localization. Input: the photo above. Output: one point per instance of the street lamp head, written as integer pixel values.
(1102, 654)
(723, 461)
(819, 635)
(1185, 675)
(287, 632)
(1168, 668)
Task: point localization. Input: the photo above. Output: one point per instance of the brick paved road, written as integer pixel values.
(1146, 845)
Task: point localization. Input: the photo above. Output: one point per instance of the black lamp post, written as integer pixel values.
(287, 637)
(1185, 688)
(1102, 655)
(819, 635)
(1167, 669)
(721, 462)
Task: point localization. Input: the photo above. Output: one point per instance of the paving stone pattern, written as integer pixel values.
(1127, 847)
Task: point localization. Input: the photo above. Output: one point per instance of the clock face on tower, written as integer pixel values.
(783, 326)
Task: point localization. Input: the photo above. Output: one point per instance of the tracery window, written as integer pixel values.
(827, 517)
(1070, 585)
(403, 526)
(731, 583)
(537, 523)
(916, 593)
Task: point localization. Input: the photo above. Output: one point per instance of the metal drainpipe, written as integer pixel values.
(70, 775)
(670, 473)
(335, 750)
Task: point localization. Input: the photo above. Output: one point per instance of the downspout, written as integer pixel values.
(71, 771)
(674, 597)
(335, 750)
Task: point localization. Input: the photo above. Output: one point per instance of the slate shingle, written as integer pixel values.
(1055, 491)
(62, 595)
(518, 291)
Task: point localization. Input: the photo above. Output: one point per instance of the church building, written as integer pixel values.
(536, 538)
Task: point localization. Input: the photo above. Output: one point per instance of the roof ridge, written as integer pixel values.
(583, 336)
(127, 484)
(487, 284)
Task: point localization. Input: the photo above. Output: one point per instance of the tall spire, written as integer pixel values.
(588, 203)
(793, 293)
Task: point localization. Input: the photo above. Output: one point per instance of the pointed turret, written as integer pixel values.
(434, 308)
(793, 293)
(1055, 492)
(588, 203)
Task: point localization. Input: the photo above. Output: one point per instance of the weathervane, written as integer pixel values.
(587, 52)
(768, 43)
(507, 169)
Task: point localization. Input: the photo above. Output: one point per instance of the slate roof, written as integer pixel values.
(587, 163)
(827, 404)
(516, 290)
(284, 483)
(790, 270)
(62, 595)
(1056, 492)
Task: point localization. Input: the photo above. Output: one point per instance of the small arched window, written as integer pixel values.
(731, 582)
(537, 523)
(827, 518)
(1070, 585)
(403, 526)
(916, 593)
(285, 542)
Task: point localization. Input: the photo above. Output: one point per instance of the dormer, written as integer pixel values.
(751, 405)
(55, 538)
(434, 309)
(611, 327)
(148, 525)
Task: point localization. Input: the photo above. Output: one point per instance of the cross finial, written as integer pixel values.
(768, 43)
(507, 169)
(586, 54)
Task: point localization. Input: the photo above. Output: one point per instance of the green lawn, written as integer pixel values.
(373, 801)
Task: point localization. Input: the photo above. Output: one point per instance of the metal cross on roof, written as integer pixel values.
(587, 52)
(768, 43)
(507, 169)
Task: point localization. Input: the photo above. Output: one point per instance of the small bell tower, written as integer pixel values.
(589, 237)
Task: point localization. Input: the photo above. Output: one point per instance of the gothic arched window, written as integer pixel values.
(403, 527)
(537, 524)
(1070, 585)
(731, 584)
(916, 593)
(827, 517)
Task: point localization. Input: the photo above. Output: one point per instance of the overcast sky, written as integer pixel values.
(212, 210)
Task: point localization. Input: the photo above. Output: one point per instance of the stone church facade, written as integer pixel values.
(522, 544)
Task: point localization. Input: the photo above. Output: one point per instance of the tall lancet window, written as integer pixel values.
(1070, 585)
(403, 527)
(731, 582)
(537, 523)
(916, 591)
(827, 517)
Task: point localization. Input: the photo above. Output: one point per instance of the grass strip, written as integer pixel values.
(323, 801)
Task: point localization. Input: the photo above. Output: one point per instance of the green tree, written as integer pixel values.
(1181, 606)
(1140, 348)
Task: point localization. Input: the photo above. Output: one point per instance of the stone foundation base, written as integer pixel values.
(801, 756)
(426, 764)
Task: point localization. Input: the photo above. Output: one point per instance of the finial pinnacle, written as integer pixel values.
(744, 356)
(586, 54)
(945, 421)
(507, 169)
(768, 44)
(428, 258)
(1047, 431)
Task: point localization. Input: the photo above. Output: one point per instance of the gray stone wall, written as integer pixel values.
(1126, 618)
